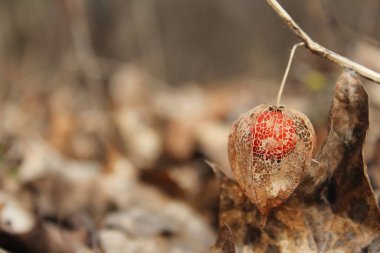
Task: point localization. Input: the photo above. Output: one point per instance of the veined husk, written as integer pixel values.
(269, 182)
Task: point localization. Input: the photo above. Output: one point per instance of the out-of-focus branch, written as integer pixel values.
(315, 48)
(77, 17)
(86, 57)
(148, 35)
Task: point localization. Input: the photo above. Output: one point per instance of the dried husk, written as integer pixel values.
(269, 181)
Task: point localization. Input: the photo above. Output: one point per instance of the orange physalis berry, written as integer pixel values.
(274, 135)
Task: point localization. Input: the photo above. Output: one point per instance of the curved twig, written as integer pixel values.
(316, 48)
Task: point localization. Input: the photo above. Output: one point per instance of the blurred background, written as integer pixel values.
(109, 109)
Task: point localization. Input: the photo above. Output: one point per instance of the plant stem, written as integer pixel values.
(287, 72)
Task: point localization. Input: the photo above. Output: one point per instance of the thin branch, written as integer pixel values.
(315, 48)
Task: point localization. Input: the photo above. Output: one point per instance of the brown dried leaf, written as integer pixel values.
(226, 240)
(333, 209)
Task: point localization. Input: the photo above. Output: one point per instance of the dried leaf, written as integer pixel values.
(226, 240)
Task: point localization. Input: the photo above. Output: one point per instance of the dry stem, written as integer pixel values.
(320, 50)
(287, 72)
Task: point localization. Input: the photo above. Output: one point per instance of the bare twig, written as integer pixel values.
(315, 48)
